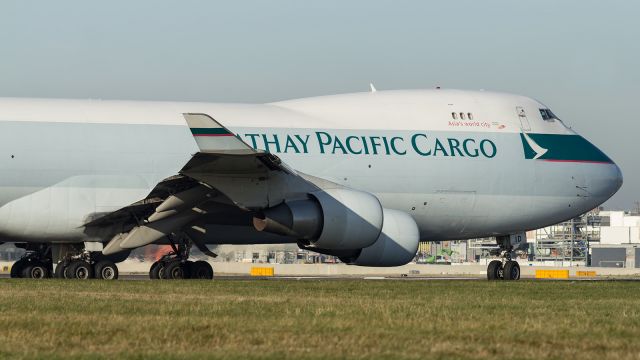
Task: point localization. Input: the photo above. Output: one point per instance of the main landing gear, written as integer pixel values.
(74, 263)
(35, 264)
(84, 267)
(176, 265)
(506, 268)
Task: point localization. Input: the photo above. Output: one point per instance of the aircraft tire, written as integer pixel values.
(59, 271)
(493, 270)
(16, 269)
(106, 270)
(79, 269)
(67, 271)
(511, 270)
(176, 270)
(157, 270)
(36, 270)
(201, 270)
(188, 267)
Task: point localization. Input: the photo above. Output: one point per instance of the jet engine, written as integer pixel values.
(397, 244)
(329, 219)
(346, 223)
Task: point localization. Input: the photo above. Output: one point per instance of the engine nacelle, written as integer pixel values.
(397, 244)
(329, 219)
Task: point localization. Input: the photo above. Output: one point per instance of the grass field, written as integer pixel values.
(319, 319)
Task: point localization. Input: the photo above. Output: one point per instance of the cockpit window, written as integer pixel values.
(544, 114)
(548, 115)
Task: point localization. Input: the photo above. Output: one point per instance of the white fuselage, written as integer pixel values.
(498, 168)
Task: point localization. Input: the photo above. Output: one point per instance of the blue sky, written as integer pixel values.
(578, 57)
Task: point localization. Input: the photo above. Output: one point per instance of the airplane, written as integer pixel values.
(362, 176)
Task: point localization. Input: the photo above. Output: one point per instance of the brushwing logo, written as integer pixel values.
(561, 148)
(537, 149)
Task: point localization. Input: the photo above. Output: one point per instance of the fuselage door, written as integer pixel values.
(524, 122)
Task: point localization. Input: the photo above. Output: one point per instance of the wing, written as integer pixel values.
(226, 173)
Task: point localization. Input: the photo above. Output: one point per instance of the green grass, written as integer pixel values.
(309, 319)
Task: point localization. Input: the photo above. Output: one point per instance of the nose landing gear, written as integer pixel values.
(509, 270)
(506, 268)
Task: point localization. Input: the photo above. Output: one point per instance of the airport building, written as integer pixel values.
(597, 238)
(619, 244)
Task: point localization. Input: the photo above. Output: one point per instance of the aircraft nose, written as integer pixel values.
(606, 176)
(610, 181)
(619, 179)
(603, 175)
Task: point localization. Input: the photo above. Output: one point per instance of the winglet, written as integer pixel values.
(372, 88)
(212, 137)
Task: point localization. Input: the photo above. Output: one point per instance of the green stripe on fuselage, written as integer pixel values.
(563, 148)
(209, 131)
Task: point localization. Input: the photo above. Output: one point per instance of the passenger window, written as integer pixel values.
(454, 116)
(470, 116)
(462, 116)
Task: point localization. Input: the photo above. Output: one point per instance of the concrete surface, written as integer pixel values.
(134, 267)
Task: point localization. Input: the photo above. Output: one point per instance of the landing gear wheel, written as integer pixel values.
(67, 272)
(157, 270)
(162, 270)
(494, 270)
(79, 270)
(58, 273)
(188, 268)
(176, 270)
(106, 270)
(16, 269)
(511, 270)
(201, 270)
(35, 270)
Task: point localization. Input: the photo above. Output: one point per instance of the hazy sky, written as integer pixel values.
(579, 57)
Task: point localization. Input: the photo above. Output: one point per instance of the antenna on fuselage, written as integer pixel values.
(373, 88)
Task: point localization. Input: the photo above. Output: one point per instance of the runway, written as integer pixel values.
(144, 277)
